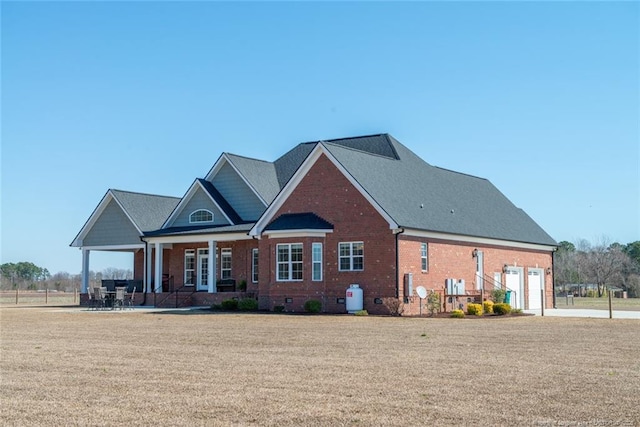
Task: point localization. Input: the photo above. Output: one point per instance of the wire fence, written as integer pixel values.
(42, 297)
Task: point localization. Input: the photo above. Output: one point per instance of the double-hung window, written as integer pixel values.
(225, 263)
(254, 265)
(424, 256)
(189, 267)
(289, 262)
(351, 256)
(316, 262)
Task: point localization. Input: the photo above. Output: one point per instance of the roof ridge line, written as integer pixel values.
(247, 158)
(333, 144)
(460, 173)
(144, 194)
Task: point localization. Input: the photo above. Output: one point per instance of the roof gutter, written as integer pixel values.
(397, 233)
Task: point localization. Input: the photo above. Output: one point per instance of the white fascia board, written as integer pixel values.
(365, 194)
(278, 234)
(299, 175)
(477, 240)
(114, 247)
(216, 167)
(264, 202)
(190, 193)
(77, 242)
(214, 202)
(127, 214)
(221, 162)
(195, 238)
(108, 197)
(180, 205)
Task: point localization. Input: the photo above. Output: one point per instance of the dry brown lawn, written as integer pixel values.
(67, 366)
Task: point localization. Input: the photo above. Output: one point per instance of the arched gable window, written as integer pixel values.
(201, 215)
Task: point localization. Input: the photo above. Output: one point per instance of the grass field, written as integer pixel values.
(8, 298)
(68, 366)
(624, 304)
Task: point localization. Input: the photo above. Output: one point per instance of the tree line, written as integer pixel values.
(28, 276)
(603, 265)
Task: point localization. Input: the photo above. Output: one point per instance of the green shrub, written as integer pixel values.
(433, 303)
(516, 311)
(458, 314)
(242, 286)
(313, 306)
(278, 308)
(501, 308)
(230, 304)
(216, 307)
(498, 295)
(248, 304)
(474, 309)
(361, 313)
(487, 306)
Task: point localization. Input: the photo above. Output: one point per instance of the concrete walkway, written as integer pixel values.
(578, 312)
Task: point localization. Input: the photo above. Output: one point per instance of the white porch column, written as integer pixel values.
(85, 271)
(158, 276)
(148, 262)
(211, 277)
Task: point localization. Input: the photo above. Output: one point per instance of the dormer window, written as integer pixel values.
(201, 215)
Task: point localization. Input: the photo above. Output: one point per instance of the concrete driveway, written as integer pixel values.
(578, 312)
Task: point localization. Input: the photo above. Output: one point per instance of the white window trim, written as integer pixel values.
(254, 265)
(191, 221)
(316, 263)
(351, 256)
(223, 253)
(187, 253)
(424, 257)
(289, 263)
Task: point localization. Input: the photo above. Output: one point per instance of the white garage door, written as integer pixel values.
(535, 286)
(512, 280)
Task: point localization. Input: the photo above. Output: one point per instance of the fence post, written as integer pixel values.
(46, 295)
(75, 294)
(16, 296)
(542, 300)
(610, 311)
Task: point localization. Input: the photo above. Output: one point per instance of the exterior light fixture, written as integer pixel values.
(548, 271)
(474, 253)
(505, 268)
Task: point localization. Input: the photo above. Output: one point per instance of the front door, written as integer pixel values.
(203, 269)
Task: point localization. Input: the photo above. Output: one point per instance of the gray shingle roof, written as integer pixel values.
(289, 163)
(418, 195)
(299, 221)
(200, 229)
(147, 211)
(259, 174)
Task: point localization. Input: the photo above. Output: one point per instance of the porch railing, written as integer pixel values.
(181, 294)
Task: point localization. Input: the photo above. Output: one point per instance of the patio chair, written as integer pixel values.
(98, 298)
(118, 302)
(90, 300)
(130, 302)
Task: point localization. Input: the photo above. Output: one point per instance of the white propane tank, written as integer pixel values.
(354, 300)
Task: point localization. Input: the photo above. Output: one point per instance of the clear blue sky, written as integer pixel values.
(541, 98)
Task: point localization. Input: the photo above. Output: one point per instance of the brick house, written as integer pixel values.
(327, 214)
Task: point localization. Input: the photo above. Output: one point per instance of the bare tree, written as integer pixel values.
(603, 264)
(116, 273)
